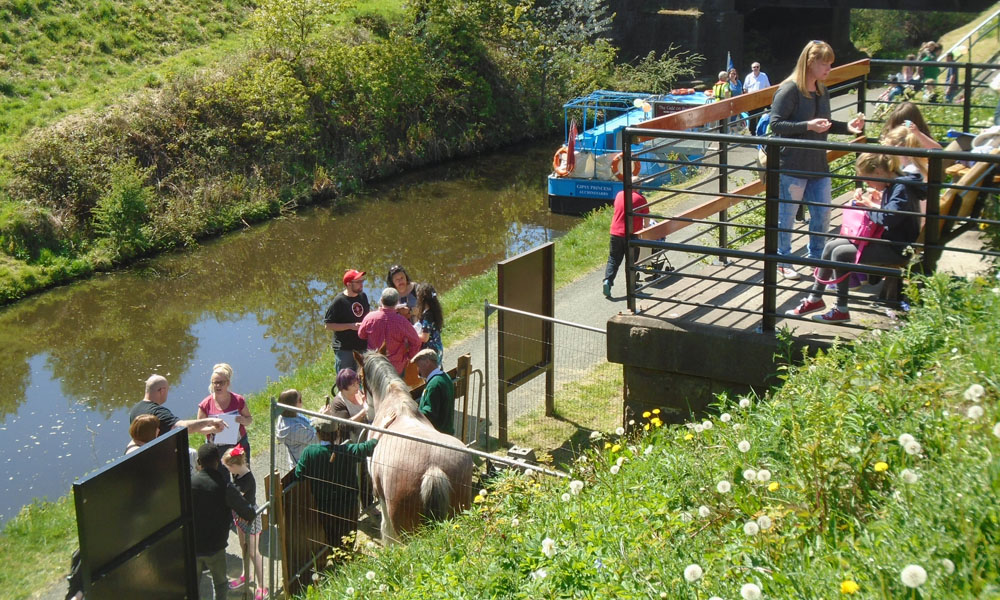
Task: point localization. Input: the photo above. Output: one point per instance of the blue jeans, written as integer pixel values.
(816, 191)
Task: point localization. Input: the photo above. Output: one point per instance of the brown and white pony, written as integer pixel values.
(413, 481)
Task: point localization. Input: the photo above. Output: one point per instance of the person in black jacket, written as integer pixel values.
(897, 194)
(214, 500)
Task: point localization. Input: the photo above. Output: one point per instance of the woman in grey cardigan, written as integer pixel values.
(801, 110)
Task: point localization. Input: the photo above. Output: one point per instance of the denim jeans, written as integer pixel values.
(216, 565)
(816, 191)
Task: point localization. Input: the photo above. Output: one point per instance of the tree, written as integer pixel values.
(287, 25)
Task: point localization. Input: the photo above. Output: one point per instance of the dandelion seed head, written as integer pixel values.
(975, 411)
(692, 573)
(565, 497)
(723, 487)
(549, 547)
(706, 425)
(744, 402)
(620, 431)
(948, 566)
(698, 428)
(763, 476)
(615, 469)
(539, 574)
(370, 575)
(905, 438)
(515, 522)
(751, 528)
(349, 591)
(764, 522)
(750, 475)
(909, 476)
(704, 511)
(725, 417)
(975, 392)
(750, 591)
(575, 486)
(913, 448)
(595, 435)
(996, 430)
(744, 446)
(913, 576)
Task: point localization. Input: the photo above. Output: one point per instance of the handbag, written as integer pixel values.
(855, 224)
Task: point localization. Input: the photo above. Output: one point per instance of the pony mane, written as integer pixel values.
(385, 384)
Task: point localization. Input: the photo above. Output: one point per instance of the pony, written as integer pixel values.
(414, 482)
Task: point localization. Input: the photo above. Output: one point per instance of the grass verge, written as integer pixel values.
(871, 472)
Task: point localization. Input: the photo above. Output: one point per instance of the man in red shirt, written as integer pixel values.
(386, 325)
(616, 254)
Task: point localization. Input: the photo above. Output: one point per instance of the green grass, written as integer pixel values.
(35, 547)
(837, 500)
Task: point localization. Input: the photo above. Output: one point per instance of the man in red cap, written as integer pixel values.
(344, 317)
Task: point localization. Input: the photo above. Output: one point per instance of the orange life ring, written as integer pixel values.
(616, 167)
(560, 162)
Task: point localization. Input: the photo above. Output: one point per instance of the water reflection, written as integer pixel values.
(75, 358)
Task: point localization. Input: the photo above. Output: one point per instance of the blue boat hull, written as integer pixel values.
(571, 196)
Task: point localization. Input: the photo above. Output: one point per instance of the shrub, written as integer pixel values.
(26, 230)
(121, 213)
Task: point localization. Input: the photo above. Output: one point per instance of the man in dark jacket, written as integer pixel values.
(213, 500)
(438, 399)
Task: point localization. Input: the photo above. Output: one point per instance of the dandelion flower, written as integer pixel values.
(744, 402)
(914, 448)
(849, 586)
(646, 414)
(575, 486)
(881, 467)
(913, 576)
(704, 511)
(975, 393)
(549, 547)
(773, 486)
(620, 431)
(744, 446)
(482, 493)
(698, 428)
(750, 528)
(349, 591)
(656, 421)
(565, 497)
(948, 566)
(750, 475)
(616, 447)
(909, 476)
(370, 575)
(764, 522)
(539, 574)
(725, 417)
(595, 435)
(615, 469)
(690, 437)
(905, 438)
(763, 476)
(975, 411)
(706, 425)
(750, 591)
(478, 499)
(607, 445)
(723, 487)
(692, 573)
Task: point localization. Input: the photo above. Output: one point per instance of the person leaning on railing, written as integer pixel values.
(896, 193)
(801, 110)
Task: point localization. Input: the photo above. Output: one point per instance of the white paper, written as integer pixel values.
(231, 434)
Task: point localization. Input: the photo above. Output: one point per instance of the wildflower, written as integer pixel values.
(690, 437)
(750, 591)
(698, 428)
(744, 402)
(773, 486)
(383, 588)
(704, 511)
(692, 573)
(646, 414)
(948, 566)
(539, 574)
(582, 458)
(620, 431)
(615, 469)
(763, 476)
(648, 450)
(725, 417)
(656, 411)
(750, 475)
(848, 586)
(750, 528)
(996, 430)
(913, 576)
(620, 461)
(349, 591)
(975, 411)
(744, 446)
(478, 499)
(909, 476)
(482, 493)
(576, 486)
(905, 438)
(370, 575)
(975, 393)
(607, 445)
(549, 547)
(723, 487)
(515, 522)
(595, 435)
(706, 425)
(315, 576)
(656, 421)
(565, 497)
(631, 422)
(764, 522)
(598, 564)
(881, 467)
(737, 426)
(913, 447)
(616, 447)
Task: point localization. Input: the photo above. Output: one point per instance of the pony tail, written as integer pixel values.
(435, 493)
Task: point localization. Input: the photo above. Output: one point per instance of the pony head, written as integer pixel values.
(378, 377)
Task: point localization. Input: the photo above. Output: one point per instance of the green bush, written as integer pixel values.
(26, 231)
(120, 215)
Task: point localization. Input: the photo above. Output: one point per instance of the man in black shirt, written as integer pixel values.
(213, 500)
(152, 404)
(344, 316)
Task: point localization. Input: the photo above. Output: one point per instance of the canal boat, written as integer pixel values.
(587, 168)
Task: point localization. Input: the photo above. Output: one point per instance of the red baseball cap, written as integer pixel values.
(353, 275)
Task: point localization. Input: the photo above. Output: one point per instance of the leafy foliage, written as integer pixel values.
(121, 214)
(891, 33)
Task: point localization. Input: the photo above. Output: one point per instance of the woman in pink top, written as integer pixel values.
(222, 400)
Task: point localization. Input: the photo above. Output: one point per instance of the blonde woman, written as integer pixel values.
(801, 110)
(222, 400)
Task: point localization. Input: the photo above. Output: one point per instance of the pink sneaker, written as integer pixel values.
(805, 307)
(237, 583)
(833, 316)
(261, 594)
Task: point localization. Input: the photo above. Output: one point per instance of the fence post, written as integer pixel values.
(967, 100)
(862, 91)
(771, 207)
(723, 188)
(627, 193)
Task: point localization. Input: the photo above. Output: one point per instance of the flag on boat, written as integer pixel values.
(570, 146)
(729, 61)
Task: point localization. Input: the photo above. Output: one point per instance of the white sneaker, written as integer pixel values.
(789, 273)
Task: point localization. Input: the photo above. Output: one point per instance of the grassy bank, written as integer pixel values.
(34, 545)
(869, 459)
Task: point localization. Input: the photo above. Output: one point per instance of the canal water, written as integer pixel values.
(75, 358)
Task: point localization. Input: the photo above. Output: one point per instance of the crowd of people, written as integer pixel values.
(406, 326)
